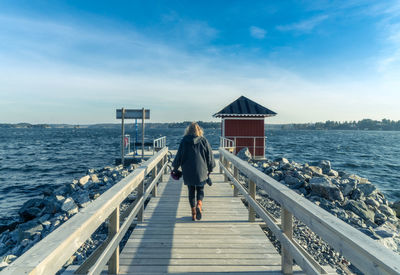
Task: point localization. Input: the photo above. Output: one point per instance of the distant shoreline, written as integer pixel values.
(365, 125)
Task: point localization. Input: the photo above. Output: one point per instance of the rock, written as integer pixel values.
(82, 198)
(84, 180)
(357, 195)
(8, 224)
(281, 160)
(323, 187)
(61, 191)
(396, 207)
(47, 191)
(25, 242)
(69, 206)
(94, 178)
(277, 175)
(9, 259)
(28, 230)
(380, 218)
(90, 171)
(367, 188)
(325, 165)
(244, 154)
(387, 210)
(30, 209)
(384, 232)
(315, 170)
(361, 209)
(52, 204)
(372, 202)
(46, 224)
(347, 186)
(291, 180)
(333, 173)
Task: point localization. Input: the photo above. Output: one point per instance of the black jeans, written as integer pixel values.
(200, 194)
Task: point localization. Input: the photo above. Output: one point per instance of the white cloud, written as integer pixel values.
(81, 74)
(305, 25)
(257, 32)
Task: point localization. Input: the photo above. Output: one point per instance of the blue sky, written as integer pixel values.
(77, 61)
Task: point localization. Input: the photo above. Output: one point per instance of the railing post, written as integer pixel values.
(221, 160)
(113, 228)
(163, 163)
(225, 162)
(236, 175)
(140, 194)
(252, 193)
(154, 191)
(287, 228)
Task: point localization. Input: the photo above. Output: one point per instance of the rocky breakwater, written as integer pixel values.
(38, 217)
(349, 197)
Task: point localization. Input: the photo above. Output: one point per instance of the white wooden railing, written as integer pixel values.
(367, 255)
(50, 254)
(227, 143)
(159, 143)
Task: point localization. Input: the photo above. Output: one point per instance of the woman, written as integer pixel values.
(197, 161)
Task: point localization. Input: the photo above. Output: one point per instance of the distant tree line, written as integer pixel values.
(364, 124)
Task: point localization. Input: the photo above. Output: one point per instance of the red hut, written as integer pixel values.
(243, 123)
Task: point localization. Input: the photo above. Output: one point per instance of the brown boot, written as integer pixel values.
(199, 210)
(193, 213)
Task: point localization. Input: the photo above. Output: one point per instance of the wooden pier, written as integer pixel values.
(168, 241)
(228, 240)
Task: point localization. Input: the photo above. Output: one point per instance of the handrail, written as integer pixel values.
(226, 142)
(159, 143)
(363, 252)
(49, 255)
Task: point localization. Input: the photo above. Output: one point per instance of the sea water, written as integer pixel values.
(32, 159)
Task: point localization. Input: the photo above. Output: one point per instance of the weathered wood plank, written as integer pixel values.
(170, 242)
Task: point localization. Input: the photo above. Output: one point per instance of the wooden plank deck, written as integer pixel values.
(169, 242)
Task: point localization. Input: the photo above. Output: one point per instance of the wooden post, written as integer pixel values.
(143, 118)
(140, 193)
(225, 162)
(287, 228)
(154, 192)
(221, 160)
(252, 193)
(236, 175)
(113, 228)
(164, 162)
(122, 136)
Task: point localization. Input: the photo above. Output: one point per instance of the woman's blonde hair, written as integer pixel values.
(194, 129)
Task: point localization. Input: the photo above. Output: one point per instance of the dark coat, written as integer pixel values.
(196, 159)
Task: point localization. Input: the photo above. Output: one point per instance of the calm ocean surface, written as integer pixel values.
(31, 159)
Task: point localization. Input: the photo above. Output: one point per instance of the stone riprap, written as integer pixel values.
(349, 197)
(38, 217)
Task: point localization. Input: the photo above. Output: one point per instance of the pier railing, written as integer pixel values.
(159, 143)
(228, 144)
(50, 254)
(367, 255)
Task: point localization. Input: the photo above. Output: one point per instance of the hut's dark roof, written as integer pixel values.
(244, 107)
